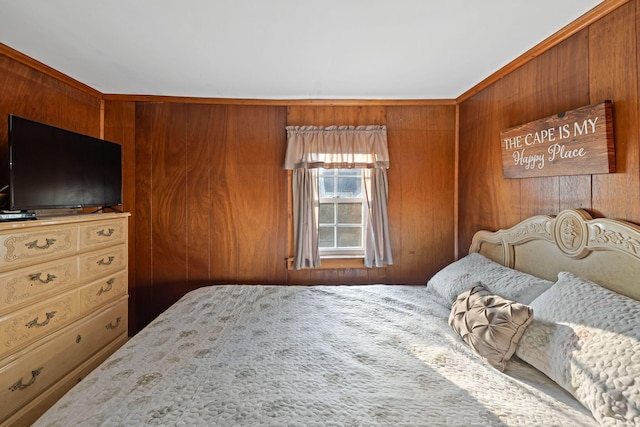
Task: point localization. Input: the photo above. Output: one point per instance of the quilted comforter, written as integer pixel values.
(309, 356)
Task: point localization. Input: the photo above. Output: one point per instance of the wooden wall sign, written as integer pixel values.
(577, 142)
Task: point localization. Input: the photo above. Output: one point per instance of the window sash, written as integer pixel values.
(337, 251)
(336, 227)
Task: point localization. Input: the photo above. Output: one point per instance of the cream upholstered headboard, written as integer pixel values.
(606, 251)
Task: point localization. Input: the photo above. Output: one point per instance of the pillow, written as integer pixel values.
(490, 324)
(587, 339)
(461, 275)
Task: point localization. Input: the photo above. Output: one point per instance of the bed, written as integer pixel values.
(566, 294)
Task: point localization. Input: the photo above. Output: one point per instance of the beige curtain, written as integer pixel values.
(312, 147)
(305, 218)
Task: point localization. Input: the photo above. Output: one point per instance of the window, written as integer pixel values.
(341, 214)
(339, 194)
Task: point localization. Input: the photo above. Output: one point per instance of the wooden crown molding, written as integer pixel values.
(278, 102)
(604, 8)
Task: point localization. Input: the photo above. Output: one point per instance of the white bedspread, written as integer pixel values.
(309, 356)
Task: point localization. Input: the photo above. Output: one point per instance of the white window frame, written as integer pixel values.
(344, 252)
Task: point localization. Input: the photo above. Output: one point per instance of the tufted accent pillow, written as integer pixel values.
(490, 324)
(461, 275)
(587, 339)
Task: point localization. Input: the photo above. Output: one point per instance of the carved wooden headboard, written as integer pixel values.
(603, 250)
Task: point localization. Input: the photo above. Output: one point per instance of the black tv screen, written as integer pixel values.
(51, 168)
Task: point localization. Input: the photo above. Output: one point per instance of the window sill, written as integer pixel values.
(334, 264)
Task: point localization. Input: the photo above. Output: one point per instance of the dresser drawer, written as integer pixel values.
(33, 410)
(102, 291)
(104, 326)
(104, 233)
(36, 245)
(36, 370)
(100, 263)
(22, 286)
(25, 326)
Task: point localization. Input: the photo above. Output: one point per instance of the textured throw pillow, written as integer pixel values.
(490, 324)
(587, 339)
(461, 275)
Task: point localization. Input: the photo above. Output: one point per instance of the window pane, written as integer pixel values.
(326, 215)
(326, 186)
(340, 214)
(326, 238)
(349, 213)
(349, 237)
(349, 172)
(349, 187)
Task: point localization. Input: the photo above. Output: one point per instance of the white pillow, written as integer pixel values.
(587, 339)
(461, 275)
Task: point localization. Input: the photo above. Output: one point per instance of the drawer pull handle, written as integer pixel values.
(103, 262)
(110, 283)
(34, 322)
(34, 244)
(20, 386)
(111, 325)
(107, 233)
(38, 278)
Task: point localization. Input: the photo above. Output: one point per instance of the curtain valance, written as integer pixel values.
(336, 147)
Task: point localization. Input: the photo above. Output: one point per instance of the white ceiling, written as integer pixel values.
(282, 49)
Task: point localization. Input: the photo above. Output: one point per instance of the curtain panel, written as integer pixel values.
(313, 147)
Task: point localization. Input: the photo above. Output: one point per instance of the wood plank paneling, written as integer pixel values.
(143, 213)
(336, 115)
(166, 136)
(169, 203)
(224, 241)
(592, 65)
(255, 155)
(613, 72)
(198, 194)
(486, 200)
(120, 127)
(34, 95)
(421, 191)
(537, 89)
(211, 197)
(248, 212)
(563, 34)
(572, 91)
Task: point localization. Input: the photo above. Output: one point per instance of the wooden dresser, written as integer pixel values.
(63, 306)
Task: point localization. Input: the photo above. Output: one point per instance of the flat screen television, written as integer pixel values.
(51, 168)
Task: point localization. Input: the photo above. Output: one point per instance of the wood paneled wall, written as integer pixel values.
(211, 194)
(210, 191)
(34, 95)
(598, 63)
(208, 195)
(119, 126)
